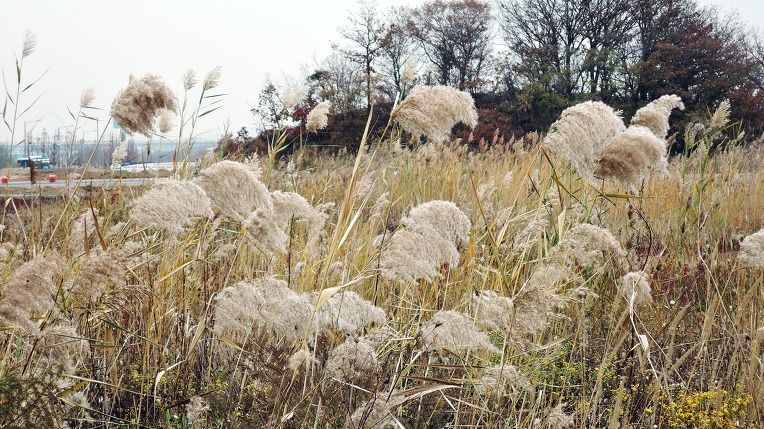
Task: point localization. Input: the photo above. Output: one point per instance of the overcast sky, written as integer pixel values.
(98, 44)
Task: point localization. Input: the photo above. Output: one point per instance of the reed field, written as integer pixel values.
(576, 279)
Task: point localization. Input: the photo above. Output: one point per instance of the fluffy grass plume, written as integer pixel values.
(171, 205)
(582, 134)
(634, 156)
(265, 303)
(655, 116)
(428, 240)
(433, 110)
(752, 250)
(137, 107)
(454, 331)
(235, 189)
(635, 288)
(318, 118)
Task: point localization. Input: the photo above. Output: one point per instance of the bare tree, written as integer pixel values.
(456, 38)
(398, 48)
(365, 33)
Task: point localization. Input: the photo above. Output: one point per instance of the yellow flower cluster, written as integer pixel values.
(715, 408)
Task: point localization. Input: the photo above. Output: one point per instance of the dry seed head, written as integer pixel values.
(655, 115)
(294, 96)
(212, 79)
(587, 245)
(266, 231)
(493, 312)
(195, 410)
(441, 219)
(96, 274)
(500, 379)
(557, 419)
(265, 303)
(353, 359)
(166, 118)
(409, 71)
(88, 95)
(189, 79)
(30, 292)
(348, 313)
(633, 157)
(752, 250)
(410, 256)
(235, 189)
(376, 413)
(538, 298)
(635, 288)
(291, 204)
(119, 154)
(30, 44)
(720, 117)
(434, 110)
(582, 134)
(137, 106)
(300, 358)
(171, 205)
(453, 331)
(318, 118)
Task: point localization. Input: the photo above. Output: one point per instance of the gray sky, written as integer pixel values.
(98, 44)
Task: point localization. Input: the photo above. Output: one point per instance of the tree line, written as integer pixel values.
(524, 61)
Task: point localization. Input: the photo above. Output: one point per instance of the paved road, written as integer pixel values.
(107, 183)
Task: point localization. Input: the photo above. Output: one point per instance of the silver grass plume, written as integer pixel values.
(409, 256)
(166, 117)
(635, 288)
(212, 79)
(433, 111)
(318, 118)
(301, 358)
(633, 157)
(137, 106)
(347, 313)
(377, 412)
(96, 274)
(235, 189)
(265, 303)
(265, 230)
(118, 157)
(720, 118)
(195, 412)
(427, 240)
(582, 134)
(30, 292)
(537, 300)
(752, 250)
(288, 205)
(493, 313)
(189, 79)
(655, 115)
(29, 304)
(353, 359)
(454, 331)
(501, 380)
(30, 44)
(293, 96)
(88, 95)
(441, 219)
(558, 419)
(171, 205)
(587, 245)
